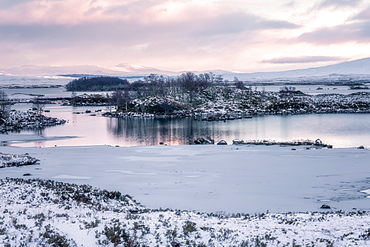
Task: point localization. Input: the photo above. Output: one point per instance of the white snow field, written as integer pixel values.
(266, 182)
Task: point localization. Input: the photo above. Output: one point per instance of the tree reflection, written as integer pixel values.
(178, 131)
(147, 131)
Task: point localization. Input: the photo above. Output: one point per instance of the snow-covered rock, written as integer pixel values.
(7, 160)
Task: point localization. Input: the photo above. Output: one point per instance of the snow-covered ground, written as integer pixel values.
(48, 213)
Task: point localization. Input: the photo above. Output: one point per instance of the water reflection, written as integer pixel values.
(338, 130)
(38, 131)
(145, 131)
(174, 131)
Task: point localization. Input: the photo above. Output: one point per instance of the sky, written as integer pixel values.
(184, 35)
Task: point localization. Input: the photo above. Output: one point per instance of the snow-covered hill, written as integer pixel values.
(137, 70)
(351, 69)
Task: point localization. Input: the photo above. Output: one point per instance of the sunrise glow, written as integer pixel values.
(181, 35)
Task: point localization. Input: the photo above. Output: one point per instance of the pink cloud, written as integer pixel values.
(302, 59)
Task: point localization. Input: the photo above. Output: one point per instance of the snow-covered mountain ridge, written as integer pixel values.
(360, 67)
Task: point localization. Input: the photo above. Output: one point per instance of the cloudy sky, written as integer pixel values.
(176, 35)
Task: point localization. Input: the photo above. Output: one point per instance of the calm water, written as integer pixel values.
(340, 130)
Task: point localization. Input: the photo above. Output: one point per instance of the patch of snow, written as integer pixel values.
(131, 172)
(65, 176)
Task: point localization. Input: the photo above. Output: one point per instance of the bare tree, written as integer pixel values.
(5, 106)
(38, 105)
(73, 98)
(121, 98)
(193, 84)
(238, 84)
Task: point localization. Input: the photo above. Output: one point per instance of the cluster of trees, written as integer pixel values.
(175, 93)
(101, 83)
(183, 88)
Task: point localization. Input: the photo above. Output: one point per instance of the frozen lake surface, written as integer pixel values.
(246, 179)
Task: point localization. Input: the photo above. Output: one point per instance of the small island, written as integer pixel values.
(206, 97)
(13, 121)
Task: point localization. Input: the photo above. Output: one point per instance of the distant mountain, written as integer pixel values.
(351, 68)
(35, 70)
(118, 70)
(134, 70)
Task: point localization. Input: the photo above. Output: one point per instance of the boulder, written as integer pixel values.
(238, 141)
(324, 206)
(222, 142)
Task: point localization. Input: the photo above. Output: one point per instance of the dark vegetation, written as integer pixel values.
(102, 83)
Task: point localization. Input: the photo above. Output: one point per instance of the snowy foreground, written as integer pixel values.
(45, 212)
(246, 194)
